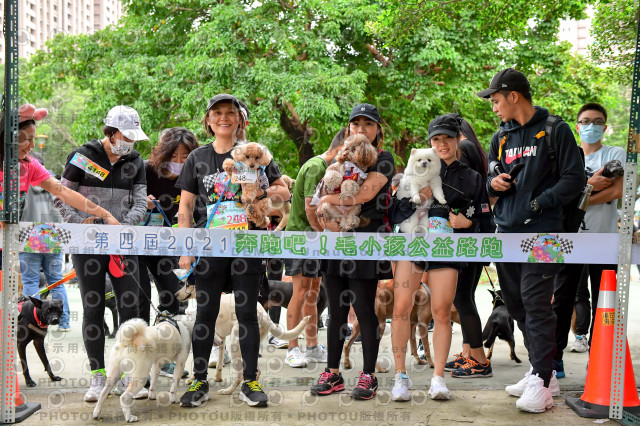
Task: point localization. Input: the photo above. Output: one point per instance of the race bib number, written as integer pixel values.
(242, 174)
(90, 167)
(230, 215)
(154, 219)
(440, 225)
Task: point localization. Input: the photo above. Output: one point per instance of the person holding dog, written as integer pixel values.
(344, 279)
(205, 185)
(111, 171)
(305, 273)
(571, 285)
(163, 197)
(472, 361)
(533, 202)
(466, 204)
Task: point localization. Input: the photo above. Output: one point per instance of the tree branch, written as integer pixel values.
(376, 54)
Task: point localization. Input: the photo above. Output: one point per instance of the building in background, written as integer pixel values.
(578, 33)
(41, 20)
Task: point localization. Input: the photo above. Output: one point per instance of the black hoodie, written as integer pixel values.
(527, 145)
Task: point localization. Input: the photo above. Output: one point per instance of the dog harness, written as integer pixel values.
(166, 316)
(352, 172)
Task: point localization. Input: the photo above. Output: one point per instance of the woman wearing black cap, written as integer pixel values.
(466, 198)
(346, 279)
(205, 187)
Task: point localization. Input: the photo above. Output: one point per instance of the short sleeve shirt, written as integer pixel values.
(375, 208)
(32, 173)
(308, 177)
(203, 175)
(164, 190)
(603, 217)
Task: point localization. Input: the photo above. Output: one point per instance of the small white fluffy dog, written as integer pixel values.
(227, 325)
(141, 349)
(423, 169)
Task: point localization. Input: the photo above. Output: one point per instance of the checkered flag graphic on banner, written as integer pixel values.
(527, 245)
(24, 233)
(566, 245)
(64, 236)
(209, 181)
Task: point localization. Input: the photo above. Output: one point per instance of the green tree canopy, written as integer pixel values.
(302, 65)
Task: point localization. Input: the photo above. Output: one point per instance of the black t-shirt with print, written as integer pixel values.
(375, 208)
(164, 190)
(203, 175)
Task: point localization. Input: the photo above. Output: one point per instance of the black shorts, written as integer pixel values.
(309, 268)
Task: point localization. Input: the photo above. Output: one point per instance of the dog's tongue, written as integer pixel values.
(116, 266)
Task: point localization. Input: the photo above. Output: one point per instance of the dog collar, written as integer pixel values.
(40, 323)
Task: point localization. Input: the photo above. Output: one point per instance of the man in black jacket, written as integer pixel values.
(531, 203)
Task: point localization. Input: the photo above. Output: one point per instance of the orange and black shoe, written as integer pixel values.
(328, 383)
(472, 369)
(458, 361)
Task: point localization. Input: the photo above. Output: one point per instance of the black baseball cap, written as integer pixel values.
(223, 97)
(508, 79)
(444, 125)
(365, 110)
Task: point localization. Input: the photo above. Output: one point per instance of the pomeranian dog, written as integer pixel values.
(423, 169)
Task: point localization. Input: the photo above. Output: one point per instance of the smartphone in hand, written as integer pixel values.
(515, 171)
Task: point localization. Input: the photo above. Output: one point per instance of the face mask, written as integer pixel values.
(174, 168)
(121, 147)
(591, 133)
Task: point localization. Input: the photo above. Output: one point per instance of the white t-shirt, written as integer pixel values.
(603, 217)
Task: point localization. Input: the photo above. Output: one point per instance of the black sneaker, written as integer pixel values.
(366, 388)
(458, 361)
(472, 369)
(252, 394)
(197, 393)
(328, 383)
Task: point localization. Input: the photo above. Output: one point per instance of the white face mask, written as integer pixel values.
(174, 168)
(121, 147)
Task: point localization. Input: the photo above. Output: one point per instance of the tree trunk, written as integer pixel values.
(300, 133)
(400, 149)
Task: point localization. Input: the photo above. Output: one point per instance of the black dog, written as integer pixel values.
(500, 325)
(279, 293)
(34, 318)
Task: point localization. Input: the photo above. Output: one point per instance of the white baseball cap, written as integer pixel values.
(127, 120)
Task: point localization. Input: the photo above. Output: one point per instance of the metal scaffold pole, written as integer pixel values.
(616, 409)
(11, 171)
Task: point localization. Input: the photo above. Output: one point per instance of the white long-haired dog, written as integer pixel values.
(423, 169)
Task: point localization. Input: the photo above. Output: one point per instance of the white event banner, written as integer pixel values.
(164, 241)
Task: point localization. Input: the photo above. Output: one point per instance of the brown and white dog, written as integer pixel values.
(420, 318)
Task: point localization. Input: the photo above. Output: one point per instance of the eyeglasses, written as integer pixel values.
(586, 122)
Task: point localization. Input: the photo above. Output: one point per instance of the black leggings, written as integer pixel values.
(342, 292)
(167, 284)
(91, 270)
(212, 275)
(275, 270)
(465, 303)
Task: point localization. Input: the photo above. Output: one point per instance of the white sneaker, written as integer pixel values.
(213, 358)
(317, 354)
(518, 388)
(438, 389)
(122, 386)
(581, 344)
(98, 381)
(536, 398)
(401, 385)
(279, 344)
(295, 358)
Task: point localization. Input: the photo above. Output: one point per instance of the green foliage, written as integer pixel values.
(615, 33)
(302, 65)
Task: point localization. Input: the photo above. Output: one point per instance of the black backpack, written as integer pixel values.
(573, 217)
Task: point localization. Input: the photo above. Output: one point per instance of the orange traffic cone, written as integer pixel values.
(22, 409)
(594, 402)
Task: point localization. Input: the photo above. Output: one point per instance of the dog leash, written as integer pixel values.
(497, 296)
(120, 263)
(209, 219)
(161, 211)
(66, 277)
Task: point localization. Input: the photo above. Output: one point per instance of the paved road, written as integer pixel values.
(474, 401)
